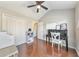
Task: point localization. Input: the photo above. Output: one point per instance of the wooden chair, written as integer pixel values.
(56, 39)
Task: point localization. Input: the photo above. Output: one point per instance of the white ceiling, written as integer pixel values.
(21, 7)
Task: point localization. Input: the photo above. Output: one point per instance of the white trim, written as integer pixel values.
(20, 43)
(62, 44)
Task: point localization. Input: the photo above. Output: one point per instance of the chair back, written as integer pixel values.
(55, 36)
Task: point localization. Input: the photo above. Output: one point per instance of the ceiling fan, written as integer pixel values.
(39, 5)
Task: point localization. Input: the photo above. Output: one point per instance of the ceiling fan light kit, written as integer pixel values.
(38, 6)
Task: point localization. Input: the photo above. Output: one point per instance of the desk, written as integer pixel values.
(63, 34)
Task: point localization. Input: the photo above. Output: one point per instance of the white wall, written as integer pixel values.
(77, 27)
(15, 24)
(58, 17)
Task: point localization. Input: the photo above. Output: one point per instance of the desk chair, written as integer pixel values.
(56, 39)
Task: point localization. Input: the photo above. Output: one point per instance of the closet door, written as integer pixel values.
(10, 25)
(20, 31)
(40, 30)
(0, 21)
(3, 22)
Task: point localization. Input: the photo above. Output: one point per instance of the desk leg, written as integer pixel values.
(49, 39)
(46, 39)
(66, 44)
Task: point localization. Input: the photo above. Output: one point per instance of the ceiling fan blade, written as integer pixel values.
(31, 6)
(39, 2)
(44, 7)
(37, 10)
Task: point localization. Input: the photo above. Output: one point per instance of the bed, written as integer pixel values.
(7, 42)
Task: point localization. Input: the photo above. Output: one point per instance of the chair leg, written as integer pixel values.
(53, 49)
(52, 44)
(61, 45)
(58, 47)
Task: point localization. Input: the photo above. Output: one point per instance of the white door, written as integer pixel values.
(40, 30)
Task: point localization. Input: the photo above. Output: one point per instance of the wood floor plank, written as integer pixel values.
(40, 48)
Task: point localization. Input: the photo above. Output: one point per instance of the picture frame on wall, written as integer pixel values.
(57, 27)
(63, 26)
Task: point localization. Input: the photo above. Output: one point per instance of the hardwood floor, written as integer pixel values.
(40, 48)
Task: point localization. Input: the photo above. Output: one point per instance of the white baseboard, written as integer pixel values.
(20, 43)
(63, 44)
